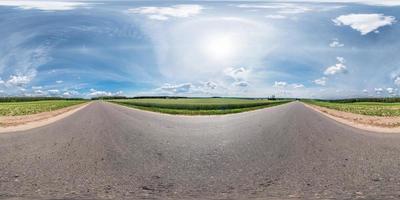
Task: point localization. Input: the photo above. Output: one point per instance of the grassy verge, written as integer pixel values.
(198, 106)
(34, 107)
(363, 108)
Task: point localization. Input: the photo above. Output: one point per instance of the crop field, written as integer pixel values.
(33, 107)
(199, 106)
(363, 108)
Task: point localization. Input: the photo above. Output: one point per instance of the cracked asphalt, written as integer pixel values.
(107, 151)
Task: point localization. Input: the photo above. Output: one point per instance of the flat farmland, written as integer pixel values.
(34, 107)
(199, 106)
(364, 108)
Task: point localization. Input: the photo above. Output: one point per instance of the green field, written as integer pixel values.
(363, 108)
(33, 107)
(199, 106)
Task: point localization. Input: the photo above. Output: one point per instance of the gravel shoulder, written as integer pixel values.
(25, 122)
(364, 122)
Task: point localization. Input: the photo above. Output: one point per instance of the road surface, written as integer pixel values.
(107, 151)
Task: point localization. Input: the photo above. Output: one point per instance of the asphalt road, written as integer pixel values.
(107, 151)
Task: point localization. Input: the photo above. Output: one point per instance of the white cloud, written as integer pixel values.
(378, 90)
(53, 92)
(391, 91)
(321, 81)
(179, 88)
(367, 2)
(39, 93)
(210, 85)
(241, 84)
(20, 80)
(295, 85)
(280, 84)
(336, 43)
(164, 13)
(338, 68)
(97, 93)
(281, 8)
(365, 91)
(276, 16)
(397, 81)
(364, 23)
(20, 64)
(59, 81)
(70, 93)
(238, 74)
(43, 5)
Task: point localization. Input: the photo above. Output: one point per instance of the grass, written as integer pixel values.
(33, 107)
(363, 108)
(199, 106)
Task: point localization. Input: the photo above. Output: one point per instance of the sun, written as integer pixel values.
(220, 47)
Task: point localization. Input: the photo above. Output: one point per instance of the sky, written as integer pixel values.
(302, 49)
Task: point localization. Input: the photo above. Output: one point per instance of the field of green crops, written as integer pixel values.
(199, 106)
(33, 107)
(364, 108)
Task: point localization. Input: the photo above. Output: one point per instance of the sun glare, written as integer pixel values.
(220, 47)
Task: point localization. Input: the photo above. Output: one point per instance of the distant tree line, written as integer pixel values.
(136, 97)
(182, 97)
(21, 99)
(353, 100)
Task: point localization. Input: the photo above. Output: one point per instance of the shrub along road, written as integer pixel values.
(110, 151)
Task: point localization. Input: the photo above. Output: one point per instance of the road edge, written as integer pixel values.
(354, 124)
(40, 123)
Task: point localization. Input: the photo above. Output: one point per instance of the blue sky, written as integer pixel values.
(311, 48)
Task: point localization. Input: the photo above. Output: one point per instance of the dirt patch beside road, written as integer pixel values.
(25, 122)
(370, 123)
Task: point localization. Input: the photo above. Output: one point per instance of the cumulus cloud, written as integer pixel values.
(338, 68)
(210, 85)
(280, 84)
(98, 93)
(53, 92)
(365, 91)
(336, 43)
(397, 80)
(321, 81)
(378, 90)
(59, 81)
(70, 93)
(296, 85)
(164, 13)
(43, 5)
(20, 64)
(178, 88)
(391, 91)
(20, 80)
(238, 74)
(364, 23)
(39, 93)
(241, 84)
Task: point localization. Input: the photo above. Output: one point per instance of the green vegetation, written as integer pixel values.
(26, 99)
(33, 107)
(198, 106)
(363, 108)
